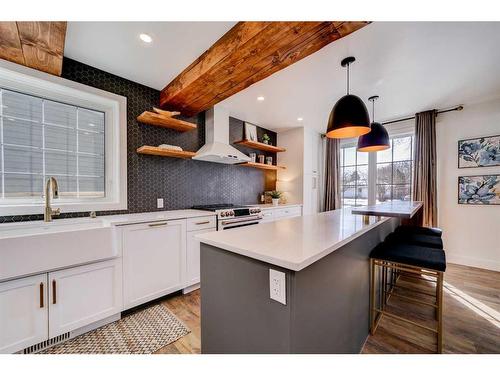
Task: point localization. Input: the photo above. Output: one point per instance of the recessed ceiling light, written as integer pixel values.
(260, 98)
(146, 38)
(299, 118)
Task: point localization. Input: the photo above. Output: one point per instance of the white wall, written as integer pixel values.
(471, 234)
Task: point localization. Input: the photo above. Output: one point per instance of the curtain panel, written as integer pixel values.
(425, 176)
(332, 175)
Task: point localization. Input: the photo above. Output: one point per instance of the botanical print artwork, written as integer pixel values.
(479, 189)
(479, 152)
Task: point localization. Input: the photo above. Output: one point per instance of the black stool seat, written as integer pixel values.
(416, 239)
(412, 255)
(419, 230)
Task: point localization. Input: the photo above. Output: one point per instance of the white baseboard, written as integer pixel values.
(472, 262)
(191, 288)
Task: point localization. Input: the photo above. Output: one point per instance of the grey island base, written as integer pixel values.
(326, 271)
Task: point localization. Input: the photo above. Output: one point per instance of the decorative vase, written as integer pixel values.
(265, 141)
(276, 201)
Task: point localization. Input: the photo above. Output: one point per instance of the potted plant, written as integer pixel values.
(266, 139)
(275, 195)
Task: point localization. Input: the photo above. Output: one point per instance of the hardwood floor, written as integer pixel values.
(471, 318)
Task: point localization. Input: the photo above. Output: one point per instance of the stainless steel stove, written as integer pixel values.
(231, 216)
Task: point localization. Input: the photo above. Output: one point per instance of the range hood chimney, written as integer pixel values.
(217, 148)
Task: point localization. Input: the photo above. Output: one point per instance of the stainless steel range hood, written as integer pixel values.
(217, 148)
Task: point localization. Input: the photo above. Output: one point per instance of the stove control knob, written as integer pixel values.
(223, 214)
(230, 213)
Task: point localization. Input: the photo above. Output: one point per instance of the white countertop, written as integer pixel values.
(402, 209)
(293, 243)
(154, 216)
(265, 206)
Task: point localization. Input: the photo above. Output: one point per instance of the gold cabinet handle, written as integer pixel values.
(203, 222)
(41, 296)
(54, 295)
(158, 224)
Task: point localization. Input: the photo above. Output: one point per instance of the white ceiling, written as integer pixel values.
(115, 47)
(412, 66)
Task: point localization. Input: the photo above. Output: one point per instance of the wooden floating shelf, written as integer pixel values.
(155, 119)
(151, 150)
(262, 166)
(260, 146)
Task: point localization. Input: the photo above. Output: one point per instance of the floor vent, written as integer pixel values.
(46, 344)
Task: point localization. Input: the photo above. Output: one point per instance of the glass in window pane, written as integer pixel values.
(22, 132)
(402, 172)
(362, 158)
(58, 138)
(385, 156)
(362, 195)
(402, 148)
(362, 175)
(91, 187)
(23, 185)
(59, 114)
(384, 173)
(67, 186)
(401, 192)
(90, 120)
(91, 142)
(60, 163)
(89, 165)
(350, 175)
(21, 106)
(349, 192)
(383, 193)
(350, 156)
(22, 159)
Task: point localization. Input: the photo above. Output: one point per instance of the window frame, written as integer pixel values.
(32, 82)
(399, 130)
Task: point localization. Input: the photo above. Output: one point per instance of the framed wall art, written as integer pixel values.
(479, 190)
(479, 152)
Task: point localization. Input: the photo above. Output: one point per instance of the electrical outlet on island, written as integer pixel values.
(277, 286)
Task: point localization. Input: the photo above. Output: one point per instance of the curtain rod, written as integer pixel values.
(457, 108)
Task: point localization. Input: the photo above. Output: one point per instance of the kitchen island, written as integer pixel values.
(323, 259)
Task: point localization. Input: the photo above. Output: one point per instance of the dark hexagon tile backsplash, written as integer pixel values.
(181, 183)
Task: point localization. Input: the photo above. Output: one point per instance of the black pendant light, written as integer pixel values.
(349, 117)
(377, 139)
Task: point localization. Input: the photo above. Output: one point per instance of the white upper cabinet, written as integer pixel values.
(154, 260)
(23, 313)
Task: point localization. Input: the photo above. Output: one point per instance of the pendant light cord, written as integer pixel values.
(348, 75)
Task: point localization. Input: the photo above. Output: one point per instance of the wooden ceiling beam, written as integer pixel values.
(38, 45)
(246, 54)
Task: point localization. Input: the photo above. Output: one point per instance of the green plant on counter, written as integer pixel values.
(266, 139)
(275, 194)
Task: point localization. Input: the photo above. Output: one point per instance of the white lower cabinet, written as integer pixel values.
(277, 213)
(82, 295)
(36, 308)
(154, 256)
(193, 257)
(23, 313)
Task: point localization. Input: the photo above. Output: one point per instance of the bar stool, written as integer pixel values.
(419, 230)
(421, 262)
(418, 239)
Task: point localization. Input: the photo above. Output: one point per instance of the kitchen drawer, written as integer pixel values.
(267, 215)
(288, 212)
(198, 223)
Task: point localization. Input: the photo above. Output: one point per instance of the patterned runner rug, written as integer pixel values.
(142, 332)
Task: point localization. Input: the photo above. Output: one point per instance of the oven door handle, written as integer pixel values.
(235, 221)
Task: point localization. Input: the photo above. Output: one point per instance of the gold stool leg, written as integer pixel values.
(372, 296)
(440, 312)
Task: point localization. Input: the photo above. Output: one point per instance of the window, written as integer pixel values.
(53, 127)
(42, 138)
(354, 177)
(394, 170)
(377, 177)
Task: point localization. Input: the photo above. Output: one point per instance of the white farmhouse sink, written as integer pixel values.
(35, 247)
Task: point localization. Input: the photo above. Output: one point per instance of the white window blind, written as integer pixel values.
(42, 138)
